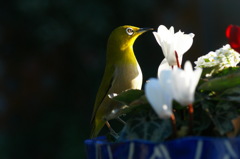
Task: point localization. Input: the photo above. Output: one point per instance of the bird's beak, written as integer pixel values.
(142, 30)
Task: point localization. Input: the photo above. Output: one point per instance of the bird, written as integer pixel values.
(122, 72)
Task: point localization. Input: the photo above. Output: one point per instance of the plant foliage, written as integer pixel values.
(217, 104)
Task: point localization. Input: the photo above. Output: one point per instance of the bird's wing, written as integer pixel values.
(104, 88)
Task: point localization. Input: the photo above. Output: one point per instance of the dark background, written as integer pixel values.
(52, 57)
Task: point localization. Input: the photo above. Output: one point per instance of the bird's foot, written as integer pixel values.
(112, 132)
(122, 121)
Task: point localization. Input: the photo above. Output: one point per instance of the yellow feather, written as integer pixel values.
(122, 72)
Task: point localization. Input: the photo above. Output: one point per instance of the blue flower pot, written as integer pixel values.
(184, 148)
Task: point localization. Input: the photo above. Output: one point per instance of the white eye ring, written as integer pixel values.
(129, 31)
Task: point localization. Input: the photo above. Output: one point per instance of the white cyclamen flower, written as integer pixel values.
(172, 84)
(223, 58)
(159, 95)
(184, 83)
(170, 43)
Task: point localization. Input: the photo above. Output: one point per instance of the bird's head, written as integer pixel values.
(125, 36)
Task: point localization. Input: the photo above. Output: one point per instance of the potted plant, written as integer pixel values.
(184, 113)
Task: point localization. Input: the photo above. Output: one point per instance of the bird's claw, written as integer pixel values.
(114, 134)
(122, 121)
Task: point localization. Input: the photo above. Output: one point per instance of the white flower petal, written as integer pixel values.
(188, 67)
(163, 66)
(183, 42)
(221, 58)
(180, 87)
(158, 98)
(171, 42)
(157, 37)
(184, 83)
(171, 30)
(197, 74)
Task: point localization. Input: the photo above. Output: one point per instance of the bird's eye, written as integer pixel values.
(129, 31)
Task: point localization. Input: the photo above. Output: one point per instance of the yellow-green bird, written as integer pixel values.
(122, 72)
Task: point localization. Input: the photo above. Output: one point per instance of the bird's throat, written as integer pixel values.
(125, 56)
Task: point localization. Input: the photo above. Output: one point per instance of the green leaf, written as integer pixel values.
(202, 122)
(131, 96)
(225, 113)
(231, 95)
(210, 71)
(228, 70)
(214, 112)
(146, 125)
(221, 113)
(221, 83)
(129, 101)
(216, 71)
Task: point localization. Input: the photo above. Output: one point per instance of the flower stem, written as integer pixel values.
(177, 59)
(190, 111)
(174, 128)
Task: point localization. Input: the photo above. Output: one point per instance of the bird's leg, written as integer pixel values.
(112, 132)
(122, 121)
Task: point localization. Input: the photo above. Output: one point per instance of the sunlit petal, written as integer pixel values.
(183, 42)
(163, 66)
(171, 42)
(159, 98)
(184, 84)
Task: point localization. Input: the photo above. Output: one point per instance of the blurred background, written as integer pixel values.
(52, 57)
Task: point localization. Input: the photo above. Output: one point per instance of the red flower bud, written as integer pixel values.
(233, 35)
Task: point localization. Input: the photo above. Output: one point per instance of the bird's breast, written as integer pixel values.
(128, 76)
